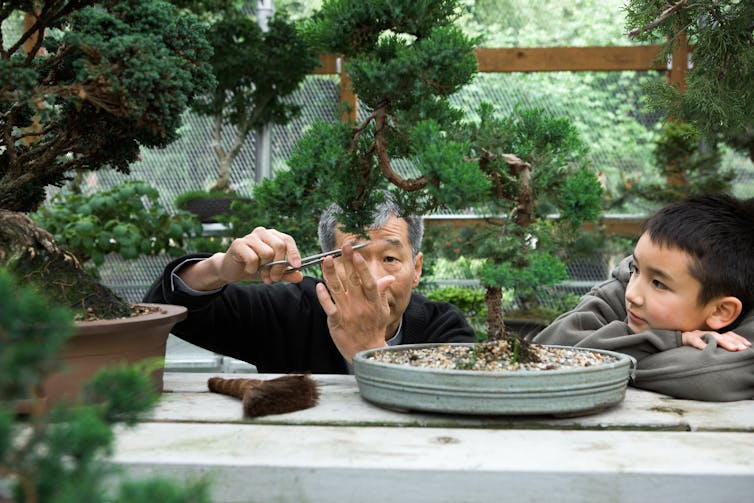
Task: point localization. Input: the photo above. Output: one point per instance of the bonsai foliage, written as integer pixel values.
(84, 86)
(719, 92)
(127, 219)
(690, 166)
(59, 455)
(537, 201)
(107, 78)
(256, 71)
(405, 58)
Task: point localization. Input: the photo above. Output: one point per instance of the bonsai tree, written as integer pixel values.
(256, 71)
(97, 81)
(719, 93)
(536, 204)
(57, 455)
(405, 59)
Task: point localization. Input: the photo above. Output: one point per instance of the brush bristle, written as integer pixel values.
(281, 395)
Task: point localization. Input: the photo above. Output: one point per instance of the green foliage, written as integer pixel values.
(520, 245)
(123, 393)
(183, 199)
(113, 77)
(469, 300)
(545, 23)
(719, 93)
(163, 491)
(541, 270)
(405, 59)
(31, 335)
(60, 455)
(689, 164)
(127, 219)
(256, 71)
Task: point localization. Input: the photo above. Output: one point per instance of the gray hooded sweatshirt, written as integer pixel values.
(664, 364)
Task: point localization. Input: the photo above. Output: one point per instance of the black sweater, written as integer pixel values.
(281, 328)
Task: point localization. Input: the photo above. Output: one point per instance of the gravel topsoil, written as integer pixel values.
(491, 356)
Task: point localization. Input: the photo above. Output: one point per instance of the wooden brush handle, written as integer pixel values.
(232, 387)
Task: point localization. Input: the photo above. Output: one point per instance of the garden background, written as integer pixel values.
(607, 108)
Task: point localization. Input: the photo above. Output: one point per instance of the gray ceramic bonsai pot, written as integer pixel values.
(565, 391)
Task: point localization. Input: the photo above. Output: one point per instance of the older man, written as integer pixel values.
(287, 322)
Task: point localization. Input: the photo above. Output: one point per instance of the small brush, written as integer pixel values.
(261, 397)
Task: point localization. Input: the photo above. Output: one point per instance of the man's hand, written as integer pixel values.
(356, 304)
(242, 261)
(728, 340)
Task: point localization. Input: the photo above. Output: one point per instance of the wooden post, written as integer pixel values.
(348, 100)
(29, 21)
(679, 63)
(29, 45)
(678, 68)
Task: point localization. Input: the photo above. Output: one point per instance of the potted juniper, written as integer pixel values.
(84, 86)
(60, 454)
(406, 59)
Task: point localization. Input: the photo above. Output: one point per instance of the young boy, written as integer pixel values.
(681, 304)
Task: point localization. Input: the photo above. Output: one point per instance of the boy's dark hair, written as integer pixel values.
(717, 231)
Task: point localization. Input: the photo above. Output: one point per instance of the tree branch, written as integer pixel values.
(661, 19)
(410, 184)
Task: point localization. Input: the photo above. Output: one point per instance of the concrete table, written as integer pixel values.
(648, 448)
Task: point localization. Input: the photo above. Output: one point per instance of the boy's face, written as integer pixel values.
(661, 293)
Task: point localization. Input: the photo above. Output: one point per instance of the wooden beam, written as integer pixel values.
(622, 225)
(558, 59)
(328, 65)
(550, 59)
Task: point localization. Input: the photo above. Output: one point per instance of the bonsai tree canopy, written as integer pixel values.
(100, 80)
(84, 86)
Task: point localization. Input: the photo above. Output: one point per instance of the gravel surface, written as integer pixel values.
(491, 356)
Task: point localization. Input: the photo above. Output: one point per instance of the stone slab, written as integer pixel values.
(188, 400)
(265, 463)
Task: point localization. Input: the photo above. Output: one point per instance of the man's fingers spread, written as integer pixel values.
(330, 275)
(325, 301)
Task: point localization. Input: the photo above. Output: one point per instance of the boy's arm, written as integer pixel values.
(599, 322)
(713, 373)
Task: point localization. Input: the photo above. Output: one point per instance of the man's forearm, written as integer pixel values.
(203, 275)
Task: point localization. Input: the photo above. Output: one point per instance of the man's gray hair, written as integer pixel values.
(328, 223)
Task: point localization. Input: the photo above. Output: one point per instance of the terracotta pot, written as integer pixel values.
(102, 343)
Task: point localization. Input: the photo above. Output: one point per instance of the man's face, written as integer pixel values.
(661, 293)
(389, 253)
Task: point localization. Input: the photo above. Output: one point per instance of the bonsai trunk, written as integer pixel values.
(493, 297)
(31, 252)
